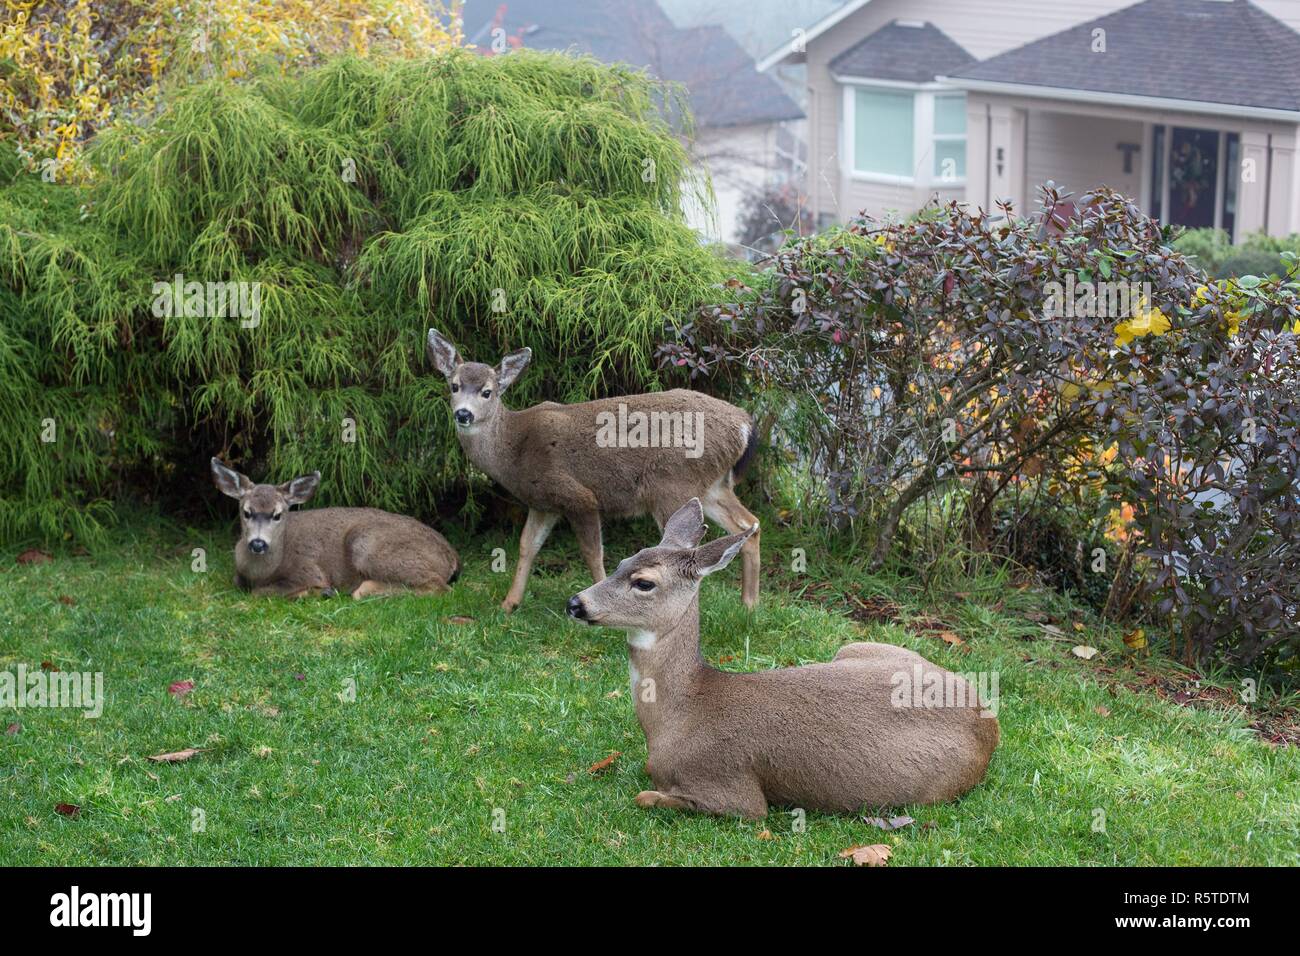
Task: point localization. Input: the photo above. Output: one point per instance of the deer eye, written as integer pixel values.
(455, 388)
(643, 584)
(248, 514)
(487, 393)
(277, 516)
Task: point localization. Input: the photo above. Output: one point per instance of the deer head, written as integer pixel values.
(262, 508)
(650, 592)
(475, 388)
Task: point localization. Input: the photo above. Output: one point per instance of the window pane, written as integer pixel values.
(882, 133)
(949, 159)
(950, 115)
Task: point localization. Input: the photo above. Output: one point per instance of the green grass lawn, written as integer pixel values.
(454, 721)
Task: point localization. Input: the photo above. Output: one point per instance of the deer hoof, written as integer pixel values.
(509, 606)
(648, 798)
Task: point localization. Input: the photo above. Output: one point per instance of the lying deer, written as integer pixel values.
(614, 457)
(834, 736)
(360, 550)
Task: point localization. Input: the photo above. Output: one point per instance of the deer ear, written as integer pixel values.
(717, 554)
(300, 489)
(685, 528)
(230, 482)
(443, 353)
(512, 366)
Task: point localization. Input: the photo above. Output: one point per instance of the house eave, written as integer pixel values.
(797, 45)
(845, 79)
(1118, 99)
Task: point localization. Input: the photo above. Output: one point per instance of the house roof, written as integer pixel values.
(1205, 51)
(904, 51)
(795, 47)
(725, 88)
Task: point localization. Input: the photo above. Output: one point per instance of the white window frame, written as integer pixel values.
(937, 137)
(923, 135)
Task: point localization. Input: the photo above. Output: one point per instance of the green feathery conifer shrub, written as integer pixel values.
(529, 199)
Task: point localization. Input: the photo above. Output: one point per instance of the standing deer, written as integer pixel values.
(614, 457)
(359, 550)
(835, 736)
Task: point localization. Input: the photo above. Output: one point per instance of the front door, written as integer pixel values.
(1190, 180)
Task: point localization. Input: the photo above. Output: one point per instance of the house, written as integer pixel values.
(1191, 107)
(744, 136)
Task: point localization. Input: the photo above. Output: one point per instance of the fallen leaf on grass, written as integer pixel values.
(765, 834)
(32, 556)
(875, 855)
(49, 666)
(1136, 640)
(13, 729)
(67, 810)
(460, 619)
(893, 823)
(952, 640)
(175, 756)
(1051, 630)
(66, 600)
(180, 688)
(600, 766)
(1102, 711)
(1084, 651)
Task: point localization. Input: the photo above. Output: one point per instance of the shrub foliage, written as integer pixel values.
(528, 199)
(962, 356)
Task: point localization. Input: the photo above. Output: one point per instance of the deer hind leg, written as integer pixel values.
(370, 587)
(536, 530)
(722, 505)
(742, 800)
(586, 525)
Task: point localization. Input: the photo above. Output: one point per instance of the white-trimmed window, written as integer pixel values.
(883, 126)
(950, 137)
(904, 133)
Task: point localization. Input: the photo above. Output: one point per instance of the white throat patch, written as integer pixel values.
(642, 640)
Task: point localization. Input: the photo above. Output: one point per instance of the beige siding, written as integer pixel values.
(985, 29)
(1079, 153)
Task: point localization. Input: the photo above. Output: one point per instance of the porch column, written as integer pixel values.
(1281, 185)
(977, 151)
(1006, 156)
(1252, 181)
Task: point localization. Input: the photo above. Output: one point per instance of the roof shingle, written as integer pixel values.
(1210, 51)
(903, 52)
(725, 87)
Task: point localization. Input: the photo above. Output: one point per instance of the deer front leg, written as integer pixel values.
(586, 525)
(536, 530)
(722, 506)
(290, 590)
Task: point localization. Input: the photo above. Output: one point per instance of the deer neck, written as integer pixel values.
(665, 668)
(260, 567)
(487, 445)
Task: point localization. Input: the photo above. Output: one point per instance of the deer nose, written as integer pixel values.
(464, 416)
(257, 546)
(576, 609)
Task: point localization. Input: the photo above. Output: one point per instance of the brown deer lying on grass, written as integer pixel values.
(614, 457)
(359, 550)
(833, 737)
